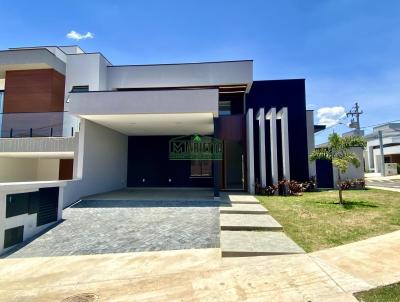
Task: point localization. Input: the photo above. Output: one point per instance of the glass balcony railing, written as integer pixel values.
(38, 124)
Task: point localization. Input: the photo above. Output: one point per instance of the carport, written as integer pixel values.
(131, 220)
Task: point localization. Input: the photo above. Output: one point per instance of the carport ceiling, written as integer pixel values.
(37, 154)
(157, 124)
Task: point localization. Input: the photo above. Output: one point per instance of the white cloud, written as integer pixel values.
(330, 116)
(77, 36)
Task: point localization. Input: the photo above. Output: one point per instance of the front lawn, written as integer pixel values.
(315, 220)
(389, 293)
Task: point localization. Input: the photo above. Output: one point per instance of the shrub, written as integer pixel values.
(286, 188)
(309, 186)
(267, 190)
(352, 184)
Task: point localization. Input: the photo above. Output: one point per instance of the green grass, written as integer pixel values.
(389, 293)
(315, 220)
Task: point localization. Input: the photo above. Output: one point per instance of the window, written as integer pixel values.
(13, 236)
(80, 88)
(201, 168)
(224, 107)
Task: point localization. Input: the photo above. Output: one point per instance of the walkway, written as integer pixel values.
(201, 275)
(247, 229)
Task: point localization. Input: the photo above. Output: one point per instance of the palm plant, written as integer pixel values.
(339, 153)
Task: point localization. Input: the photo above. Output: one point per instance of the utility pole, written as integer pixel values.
(355, 111)
(380, 136)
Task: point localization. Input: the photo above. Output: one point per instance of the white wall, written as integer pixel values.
(145, 102)
(180, 75)
(352, 172)
(312, 170)
(30, 59)
(47, 169)
(28, 169)
(17, 169)
(103, 76)
(29, 221)
(82, 70)
(376, 155)
(104, 162)
(85, 69)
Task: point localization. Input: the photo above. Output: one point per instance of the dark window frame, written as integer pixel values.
(80, 88)
(205, 169)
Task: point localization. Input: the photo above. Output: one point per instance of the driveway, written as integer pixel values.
(119, 226)
(384, 182)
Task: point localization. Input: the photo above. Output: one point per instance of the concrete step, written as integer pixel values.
(248, 222)
(240, 198)
(241, 208)
(247, 243)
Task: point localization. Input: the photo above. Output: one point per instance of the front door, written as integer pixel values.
(233, 165)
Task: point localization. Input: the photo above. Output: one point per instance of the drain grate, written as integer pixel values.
(84, 297)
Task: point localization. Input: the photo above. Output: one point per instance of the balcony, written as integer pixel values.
(38, 124)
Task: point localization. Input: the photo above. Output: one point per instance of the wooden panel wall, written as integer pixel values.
(66, 169)
(40, 90)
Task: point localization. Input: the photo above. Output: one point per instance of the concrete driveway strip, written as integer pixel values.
(376, 260)
(190, 275)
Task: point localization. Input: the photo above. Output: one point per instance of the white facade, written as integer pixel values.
(391, 147)
(121, 101)
(181, 75)
(28, 221)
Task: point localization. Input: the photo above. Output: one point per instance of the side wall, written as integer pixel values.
(104, 162)
(290, 94)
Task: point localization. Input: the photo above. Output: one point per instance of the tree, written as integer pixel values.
(339, 153)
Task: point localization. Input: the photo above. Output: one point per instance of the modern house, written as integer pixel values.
(73, 124)
(390, 147)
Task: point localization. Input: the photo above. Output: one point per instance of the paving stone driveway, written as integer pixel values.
(117, 226)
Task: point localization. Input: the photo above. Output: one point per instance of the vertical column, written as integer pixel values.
(312, 170)
(271, 116)
(215, 164)
(60, 202)
(261, 124)
(283, 115)
(250, 151)
(3, 205)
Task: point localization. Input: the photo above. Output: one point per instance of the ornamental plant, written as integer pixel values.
(339, 153)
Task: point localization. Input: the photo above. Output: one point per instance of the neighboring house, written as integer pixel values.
(391, 147)
(73, 124)
(327, 175)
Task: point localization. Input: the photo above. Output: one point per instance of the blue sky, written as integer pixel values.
(347, 50)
